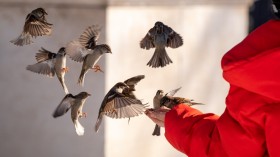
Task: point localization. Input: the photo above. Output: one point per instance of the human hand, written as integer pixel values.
(157, 115)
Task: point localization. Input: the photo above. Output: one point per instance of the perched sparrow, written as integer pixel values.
(35, 25)
(120, 102)
(76, 104)
(49, 64)
(159, 37)
(87, 51)
(170, 101)
(159, 95)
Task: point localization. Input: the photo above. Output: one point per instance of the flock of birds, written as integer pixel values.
(120, 101)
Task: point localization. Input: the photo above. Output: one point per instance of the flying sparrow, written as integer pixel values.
(49, 64)
(159, 37)
(35, 25)
(120, 102)
(76, 104)
(157, 98)
(87, 51)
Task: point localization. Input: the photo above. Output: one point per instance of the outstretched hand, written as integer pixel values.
(157, 115)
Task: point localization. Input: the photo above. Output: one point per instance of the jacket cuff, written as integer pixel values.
(188, 130)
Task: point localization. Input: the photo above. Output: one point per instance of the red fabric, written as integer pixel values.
(250, 125)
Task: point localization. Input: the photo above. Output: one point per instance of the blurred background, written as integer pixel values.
(27, 100)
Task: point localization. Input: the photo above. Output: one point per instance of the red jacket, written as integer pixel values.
(250, 125)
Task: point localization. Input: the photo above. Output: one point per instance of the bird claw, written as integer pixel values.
(66, 69)
(84, 114)
(97, 68)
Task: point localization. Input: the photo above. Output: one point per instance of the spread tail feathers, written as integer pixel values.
(42, 56)
(23, 39)
(79, 128)
(160, 58)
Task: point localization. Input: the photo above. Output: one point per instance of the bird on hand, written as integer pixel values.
(76, 104)
(87, 51)
(49, 64)
(35, 25)
(157, 98)
(159, 37)
(121, 102)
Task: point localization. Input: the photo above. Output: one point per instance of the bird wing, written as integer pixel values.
(45, 68)
(91, 34)
(174, 40)
(134, 80)
(64, 105)
(124, 107)
(148, 41)
(131, 82)
(173, 92)
(36, 27)
(44, 55)
(76, 51)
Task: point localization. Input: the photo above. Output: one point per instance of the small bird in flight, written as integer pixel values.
(76, 104)
(87, 51)
(120, 101)
(35, 25)
(159, 37)
(49, 64)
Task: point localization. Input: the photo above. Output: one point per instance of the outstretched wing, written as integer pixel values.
(124, 107)
(148, 41)
(45, 68)
(44, 55)
(90, 36)
(76, 51)
(64, 105)
(174, 40)
(36, 27)
(173, 92)
(131, 82)
(134, 80)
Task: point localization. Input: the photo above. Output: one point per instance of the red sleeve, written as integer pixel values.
(259, 74)
(188, 130)
(254, 63)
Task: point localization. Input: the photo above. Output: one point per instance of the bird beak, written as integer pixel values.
(89, 94)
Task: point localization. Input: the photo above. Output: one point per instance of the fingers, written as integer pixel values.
(157, 121)
(158, 115)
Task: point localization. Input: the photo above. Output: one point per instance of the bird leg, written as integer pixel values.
(66, 69)
(84, 114)
(97, 68)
